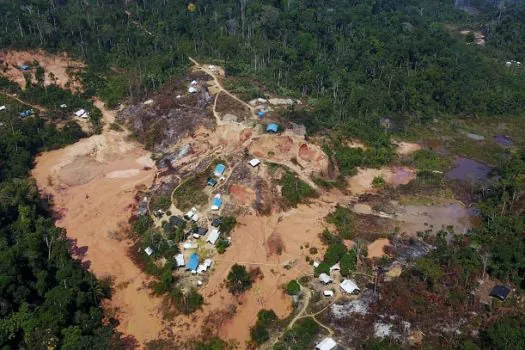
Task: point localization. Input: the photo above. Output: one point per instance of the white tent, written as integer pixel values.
(328, 293)
(349, 286)
(316, 264)
(81, 113)
(202, 268)
(326, 344)
(148, 251)
(180, 260)
(2, 108)
(336, 267)
(325, 278)
(254, 162)
(189, 245)
(213, 236)
(208, 263)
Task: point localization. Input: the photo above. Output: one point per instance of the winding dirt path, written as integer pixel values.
(14, 97)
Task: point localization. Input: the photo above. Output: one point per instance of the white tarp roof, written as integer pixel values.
(180, 259)
(80, 112)
(349, 286)
(254, 162)
(193, 82)
(148, 102)
(328, 293)
(195, 217)
(325, 278)
(208, 263)
(201, 268)
(192, 90)
(336, 267)
(326, 344)
(316, 264)
(189, 245)
(2, 108)
(213, 236)
(148, 251)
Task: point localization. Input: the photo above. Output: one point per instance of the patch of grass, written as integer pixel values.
(343, 219)
(427, 200)
(244, 88)
(295, 191)
(190, 192)
(161, 202)
(115, 127)
(426, 160)
(378, 182)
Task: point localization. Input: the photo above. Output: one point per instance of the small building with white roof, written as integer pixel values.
(349, 287)
(324, 278)
(213, 236)
(81, 113)
(179, 258)
(326, 344)
(335, 267)
(148, 251)
(328, 293)
(254, 162)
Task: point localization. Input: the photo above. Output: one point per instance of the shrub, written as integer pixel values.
(187, 303)
(142, 224)
(293, 288)
(227, 224)
(266, 317)
(259, 334)
(221, 245)
(343, 220)
(348, 263)
(294, 190)
(378, 182)
(334, 253)
(322, 268)
(238, 280)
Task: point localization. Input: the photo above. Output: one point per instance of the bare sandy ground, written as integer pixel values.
(376, 249)
(405, 148)
(394, 176)
(93, 183)
(56, 64)
(297, 229)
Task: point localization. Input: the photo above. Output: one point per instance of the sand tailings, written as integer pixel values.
(93, 183)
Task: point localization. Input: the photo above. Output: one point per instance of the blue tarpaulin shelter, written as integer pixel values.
(219, 170)
(24, 67)
(261, 114)
(216, 203)
(272, 127)
(26, 113)
(193, 262)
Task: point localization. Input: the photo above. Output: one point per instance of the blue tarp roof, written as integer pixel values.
(24, 67)
(216, 202)
(272, 127)
(212, 182)
(261, 113)
(193, 262)
(219, 169)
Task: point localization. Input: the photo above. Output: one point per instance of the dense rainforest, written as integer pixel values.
(352, 59)
(47, 299)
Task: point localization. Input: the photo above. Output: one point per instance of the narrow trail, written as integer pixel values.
(14, 97)
(221, 88)
(137, 24)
